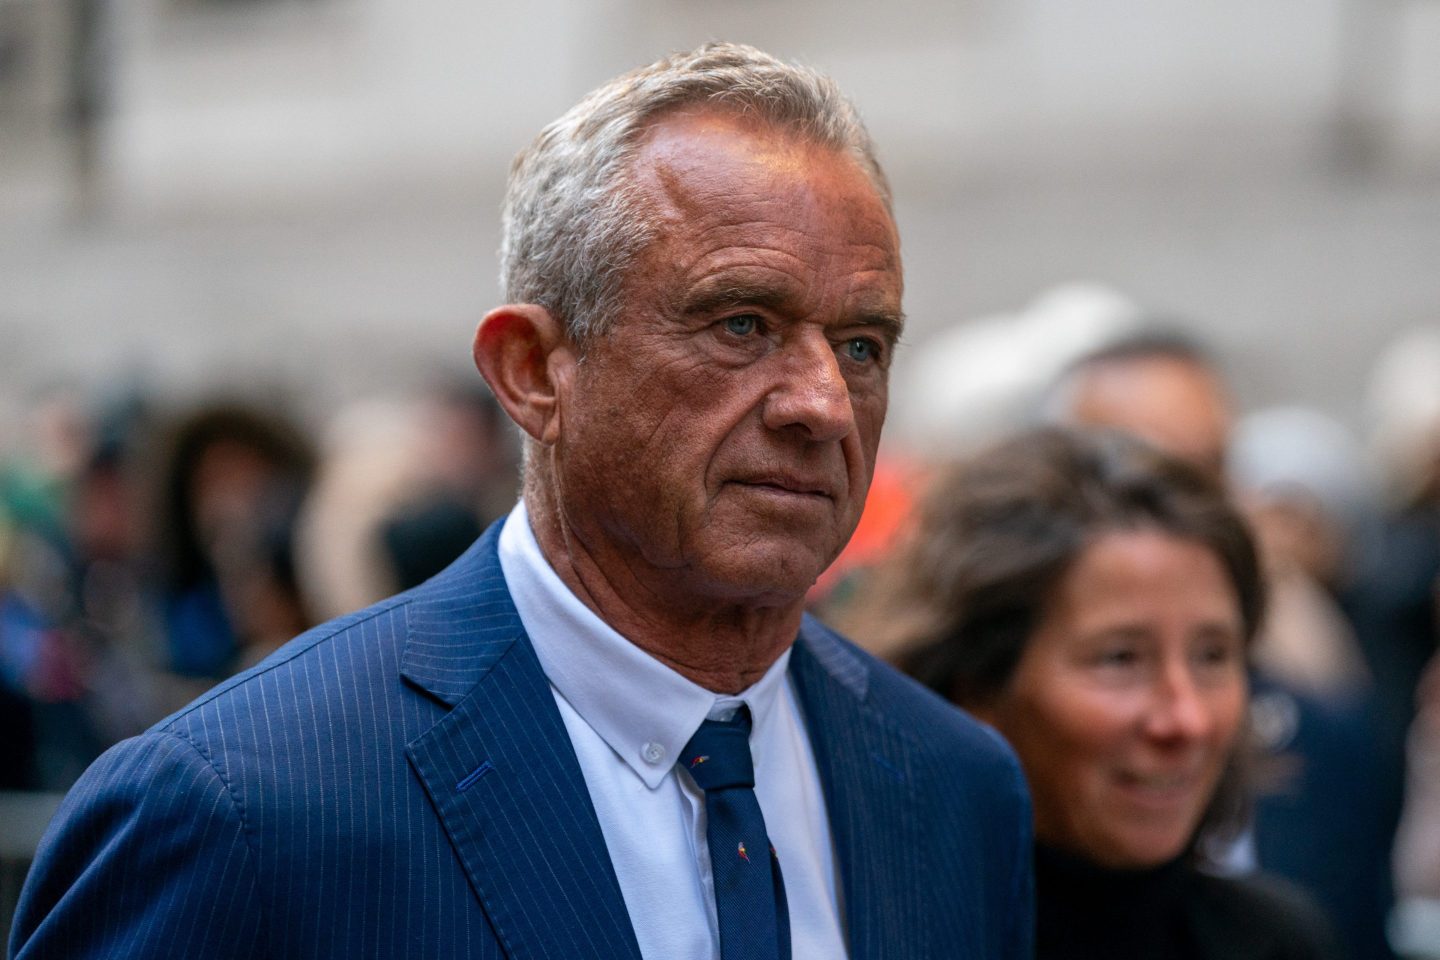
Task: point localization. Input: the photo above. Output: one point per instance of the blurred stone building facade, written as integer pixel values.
(306, 192)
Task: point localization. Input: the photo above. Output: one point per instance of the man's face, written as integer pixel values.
(1179, 406)
(718, 441)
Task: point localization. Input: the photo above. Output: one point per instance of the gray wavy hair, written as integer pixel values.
(573, 218)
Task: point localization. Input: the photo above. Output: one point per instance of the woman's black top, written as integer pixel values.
(1172, 912)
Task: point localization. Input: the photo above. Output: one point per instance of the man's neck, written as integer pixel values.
(722, 646)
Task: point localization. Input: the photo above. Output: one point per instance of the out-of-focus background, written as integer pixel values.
(244, 243)
(203, 193)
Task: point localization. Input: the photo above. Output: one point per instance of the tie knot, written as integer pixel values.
(718, 756)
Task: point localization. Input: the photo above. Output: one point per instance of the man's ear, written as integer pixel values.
(523, 353)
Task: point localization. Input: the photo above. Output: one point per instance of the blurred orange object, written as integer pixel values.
(894, 489)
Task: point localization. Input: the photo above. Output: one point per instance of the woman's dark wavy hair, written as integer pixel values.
(994, 537)
(182, 559)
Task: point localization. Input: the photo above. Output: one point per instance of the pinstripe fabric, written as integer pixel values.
(398, 783)
(929, 811)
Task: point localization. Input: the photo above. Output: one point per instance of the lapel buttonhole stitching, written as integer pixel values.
(473, 776)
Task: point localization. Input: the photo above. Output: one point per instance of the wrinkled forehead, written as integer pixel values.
(722, 194)
(771, 147)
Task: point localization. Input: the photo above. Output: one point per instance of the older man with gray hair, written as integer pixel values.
(608, 730)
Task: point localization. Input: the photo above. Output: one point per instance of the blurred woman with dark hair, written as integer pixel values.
(233, 479)
(1094, 601)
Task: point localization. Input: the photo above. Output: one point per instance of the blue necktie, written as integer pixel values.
(749, 891)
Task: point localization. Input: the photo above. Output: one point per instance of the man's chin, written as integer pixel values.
(775, 573)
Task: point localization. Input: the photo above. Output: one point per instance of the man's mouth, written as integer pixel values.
(789, 484)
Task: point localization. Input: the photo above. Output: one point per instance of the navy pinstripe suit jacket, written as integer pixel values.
(398, 783)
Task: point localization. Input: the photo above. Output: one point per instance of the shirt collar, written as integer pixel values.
(645, 711)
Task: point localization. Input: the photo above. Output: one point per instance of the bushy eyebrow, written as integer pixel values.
(709, 299)
(890, 325)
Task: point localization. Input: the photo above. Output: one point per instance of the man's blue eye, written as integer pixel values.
(741, 326)
(860, 350)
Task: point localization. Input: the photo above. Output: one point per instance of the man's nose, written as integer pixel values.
(1179, 709)
(811, 393)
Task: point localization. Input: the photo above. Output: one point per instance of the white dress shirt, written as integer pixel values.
(629, 716)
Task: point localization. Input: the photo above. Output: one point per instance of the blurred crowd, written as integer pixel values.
(148, 552)
(1344, 725)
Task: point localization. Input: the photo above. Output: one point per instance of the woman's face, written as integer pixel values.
(1128, 698)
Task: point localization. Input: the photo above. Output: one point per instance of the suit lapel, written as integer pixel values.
(502, 775)
(867, 769)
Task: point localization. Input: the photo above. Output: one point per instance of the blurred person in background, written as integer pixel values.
(370, 466)
(1396, 605)
(1164, 387)
(1156, 384)
(1326, 773)
(1308, 491)
(404, 486)
(106, 519)
(1416, 925)
(1394, 602)
(232, 481)
(71, 604)
(1326, 799)
(1095, 601)
(40, 670)
(467, 479)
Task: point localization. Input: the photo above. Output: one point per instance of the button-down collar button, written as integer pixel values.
(653, 752)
